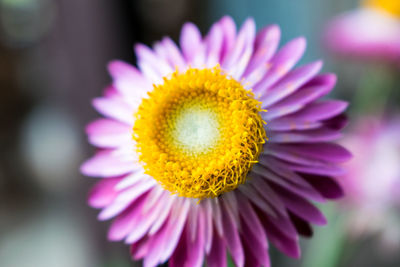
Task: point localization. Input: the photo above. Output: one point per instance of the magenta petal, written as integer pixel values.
(189, 252)
(217, 255)
(229, 35)
(231, 236)
(282, 63)
(103, 193)
(108, 133)
(126, 221)
(105, 164)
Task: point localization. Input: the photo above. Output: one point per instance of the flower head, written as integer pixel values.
(217, 146)
(372, 184)
(371, 31)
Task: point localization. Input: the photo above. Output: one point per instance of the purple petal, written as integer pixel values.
(327, 186)
(337, 123)
(323, 151)
(306, 136)
(301, 207)
(217, 255)
(114, 108)
(290, 83)
(281, 64)
(302, 226)
(287, 244)
(265, 46)
(269, 176)
(320, 110)
(316, 88)
(285, 124)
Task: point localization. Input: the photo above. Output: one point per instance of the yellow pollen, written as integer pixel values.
(199, 133)
(390, 6)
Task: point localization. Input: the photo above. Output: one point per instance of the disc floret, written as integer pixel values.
(199, 133)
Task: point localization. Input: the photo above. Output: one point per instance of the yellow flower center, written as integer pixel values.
(390, 6)
(199, 133)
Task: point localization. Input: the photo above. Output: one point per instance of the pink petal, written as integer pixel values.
(174, 55)
(106, 164)
(103, 193)
(146, 56)
(190, 41)
(108, 133)
(124, 199)
(128, 80)
(214, 42)
(114, 108)
(126, 221)
(209, 225)
(236, 61)
(176, 222)
(229, 35)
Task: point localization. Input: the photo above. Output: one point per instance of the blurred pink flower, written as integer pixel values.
(372, 31)
(372, 183)
(181, 101)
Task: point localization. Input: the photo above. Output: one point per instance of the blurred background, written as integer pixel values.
(53, 56)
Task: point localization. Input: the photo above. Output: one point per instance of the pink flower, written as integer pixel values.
(372, 184)
(371, 31)
(190, 169)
